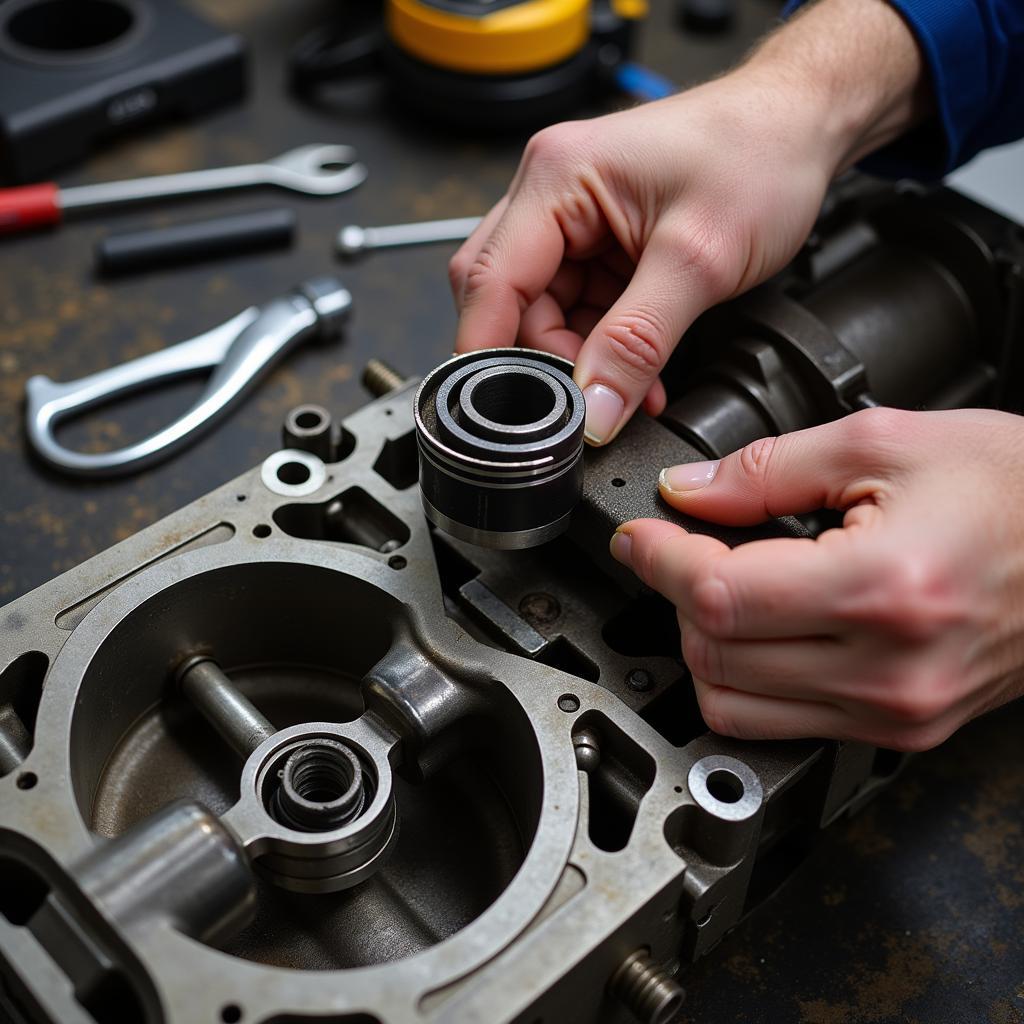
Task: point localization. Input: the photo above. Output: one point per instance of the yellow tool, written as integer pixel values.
(478, 61)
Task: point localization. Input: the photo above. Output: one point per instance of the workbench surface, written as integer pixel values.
(911, 912)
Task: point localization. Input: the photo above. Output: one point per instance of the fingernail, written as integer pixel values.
(604, 410)
(690, 476)
(621, 547)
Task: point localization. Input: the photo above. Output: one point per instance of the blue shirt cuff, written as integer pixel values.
(954, 43)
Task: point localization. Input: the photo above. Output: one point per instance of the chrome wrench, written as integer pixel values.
(239, 352)
(317, 170)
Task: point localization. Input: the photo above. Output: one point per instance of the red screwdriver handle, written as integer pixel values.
(28, 206)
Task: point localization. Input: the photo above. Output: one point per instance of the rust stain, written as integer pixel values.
(1004, 1012)
(997, 835)
(865, 836)
(878, 994)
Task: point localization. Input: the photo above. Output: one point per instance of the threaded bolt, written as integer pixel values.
(651, 995)
(379, 378)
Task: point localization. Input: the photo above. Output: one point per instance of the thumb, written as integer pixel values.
(831, 466)
(620, 361)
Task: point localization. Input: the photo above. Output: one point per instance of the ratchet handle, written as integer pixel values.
(29, 206)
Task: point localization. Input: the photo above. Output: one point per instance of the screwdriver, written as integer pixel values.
(353, 240)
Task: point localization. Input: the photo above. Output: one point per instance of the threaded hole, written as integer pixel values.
(322, 785)
(321, 777)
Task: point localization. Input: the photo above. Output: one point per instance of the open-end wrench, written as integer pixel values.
(318, 170)
(353, 240)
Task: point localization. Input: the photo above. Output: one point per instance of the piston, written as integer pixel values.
(500, 436)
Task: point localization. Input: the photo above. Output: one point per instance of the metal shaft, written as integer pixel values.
(353, 240)
(233, 715)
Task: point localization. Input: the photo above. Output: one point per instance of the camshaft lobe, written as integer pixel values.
(500, 437)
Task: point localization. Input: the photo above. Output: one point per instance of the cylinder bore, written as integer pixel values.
(500, 437)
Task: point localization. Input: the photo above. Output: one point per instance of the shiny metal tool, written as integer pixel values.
(238, 352)
(316, 170)
(354, 241)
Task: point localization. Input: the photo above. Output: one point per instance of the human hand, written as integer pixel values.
(617, 232)
(622, 229)
(896, 628)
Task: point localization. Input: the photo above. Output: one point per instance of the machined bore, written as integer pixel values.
(500, 437)
(323, 785)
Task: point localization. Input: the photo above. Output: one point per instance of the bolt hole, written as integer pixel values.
(239, 497)
(397, 562)
(569, 703)
(261, 530)
(231, 1014)
(309, 420)
(293, 473)
(618, 482)
(725, 786)
(389, 412)
(678, 789)
(27, 780)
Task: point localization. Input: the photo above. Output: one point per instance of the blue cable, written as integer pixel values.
(642, 83)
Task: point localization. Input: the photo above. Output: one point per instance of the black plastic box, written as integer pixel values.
(74, 73)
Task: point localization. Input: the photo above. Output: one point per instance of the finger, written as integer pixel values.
(804, 668)
(626, 351)
(751, 716)
(766, 589)
(656, 399)
(837, 465)
(464, 256)
(543, 327)
(514, 266)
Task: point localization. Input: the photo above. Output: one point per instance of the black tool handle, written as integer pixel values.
(183, 243)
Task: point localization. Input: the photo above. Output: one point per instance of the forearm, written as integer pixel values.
(857, 67)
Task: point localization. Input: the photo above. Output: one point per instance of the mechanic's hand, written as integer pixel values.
(895, 629)
(622, 229)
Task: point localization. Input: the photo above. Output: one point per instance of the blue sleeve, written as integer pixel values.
(974, 50)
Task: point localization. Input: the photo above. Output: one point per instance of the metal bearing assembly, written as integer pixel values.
(500, 436)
